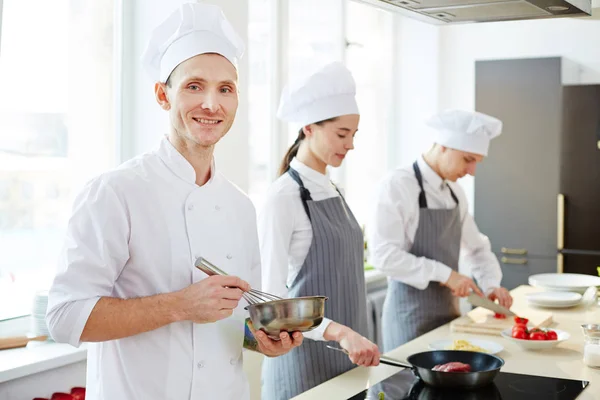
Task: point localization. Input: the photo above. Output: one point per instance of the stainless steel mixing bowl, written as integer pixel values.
(288, 315)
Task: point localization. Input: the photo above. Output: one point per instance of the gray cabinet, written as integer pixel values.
(517, 184)
(514, 273)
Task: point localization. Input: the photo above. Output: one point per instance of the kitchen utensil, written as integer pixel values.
(273, 314)
(19, 341)
(484, 367)
(528, 344)
(484, 302)
(564, 282)
(300, 314)
(553, 299)
(252, 297)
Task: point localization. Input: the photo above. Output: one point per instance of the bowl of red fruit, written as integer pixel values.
(530, 337)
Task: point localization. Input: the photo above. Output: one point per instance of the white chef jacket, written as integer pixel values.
(285, 232)
(136, 231)
(393, 225)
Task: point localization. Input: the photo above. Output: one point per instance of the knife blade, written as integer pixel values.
(484, 302)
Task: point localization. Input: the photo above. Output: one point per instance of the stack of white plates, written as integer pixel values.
(554, 299)
(564, 282)
(38, 314)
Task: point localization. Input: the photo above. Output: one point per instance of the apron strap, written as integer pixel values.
(304, 193)
(422, 198)
(452, 194)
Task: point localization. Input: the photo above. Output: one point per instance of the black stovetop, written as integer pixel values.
(506, 386)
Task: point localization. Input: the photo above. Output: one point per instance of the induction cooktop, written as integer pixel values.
(506, 386)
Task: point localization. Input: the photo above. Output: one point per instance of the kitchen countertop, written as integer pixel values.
(563, 361)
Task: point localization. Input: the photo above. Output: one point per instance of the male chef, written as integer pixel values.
(160, 328)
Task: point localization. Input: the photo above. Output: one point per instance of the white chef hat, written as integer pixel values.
(468, 131)
(325, 94)
(193, 29)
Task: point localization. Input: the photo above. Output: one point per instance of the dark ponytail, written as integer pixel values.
(293, 150)
(291, 153)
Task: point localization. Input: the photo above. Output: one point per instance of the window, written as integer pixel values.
(57, 130)
(369, 55)
(260, 101)
(310, 36)
(315, 38)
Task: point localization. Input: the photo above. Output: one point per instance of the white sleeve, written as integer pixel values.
(389, 242)
(94, 254)
(478, 254)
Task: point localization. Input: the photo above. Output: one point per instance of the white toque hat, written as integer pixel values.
(192, 29)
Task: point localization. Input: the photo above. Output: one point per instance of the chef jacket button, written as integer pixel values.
(229, 256)
(190, 207)
(217, 208)
(233, 361)
(200, 364)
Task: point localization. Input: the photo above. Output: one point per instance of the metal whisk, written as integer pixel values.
(252, 297)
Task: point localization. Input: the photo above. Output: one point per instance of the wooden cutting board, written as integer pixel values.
(482, 321)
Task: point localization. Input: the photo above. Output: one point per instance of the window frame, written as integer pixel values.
(279, 57)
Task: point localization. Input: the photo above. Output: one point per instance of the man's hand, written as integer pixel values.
(502, 295)
(212, 299)
(461, 285)
(269, 347)
(360, 349)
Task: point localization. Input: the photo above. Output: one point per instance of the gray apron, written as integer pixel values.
(409, 312)
(334, 267)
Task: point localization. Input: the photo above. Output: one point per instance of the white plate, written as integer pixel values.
(445, 344)
(554, 299)
(537, 344)
(564, 282)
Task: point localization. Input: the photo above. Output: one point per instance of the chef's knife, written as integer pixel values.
(484, 302)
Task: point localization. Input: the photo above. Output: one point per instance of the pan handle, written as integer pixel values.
(382, 359)
(393, 362)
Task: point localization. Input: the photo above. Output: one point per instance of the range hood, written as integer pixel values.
(443, 12)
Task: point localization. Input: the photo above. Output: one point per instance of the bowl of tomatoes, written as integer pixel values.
(531, 338)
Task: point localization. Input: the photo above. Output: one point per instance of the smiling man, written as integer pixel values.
(160, 328)
(420, 224)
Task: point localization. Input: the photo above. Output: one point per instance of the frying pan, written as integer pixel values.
(484, 367)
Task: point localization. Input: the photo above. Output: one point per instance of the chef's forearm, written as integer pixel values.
(335, 331)
(114, 318)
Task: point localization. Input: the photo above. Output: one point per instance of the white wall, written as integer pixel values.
(144, 122)
(462, 45)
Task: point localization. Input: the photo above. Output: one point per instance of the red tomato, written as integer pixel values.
(499, 316)
(551, 335)
(521, 321)
(519, 334)
(61, 396)
(537, 335)
(78, 393)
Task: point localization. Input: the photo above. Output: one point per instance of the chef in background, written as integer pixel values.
(420, 224)
(310, 242)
